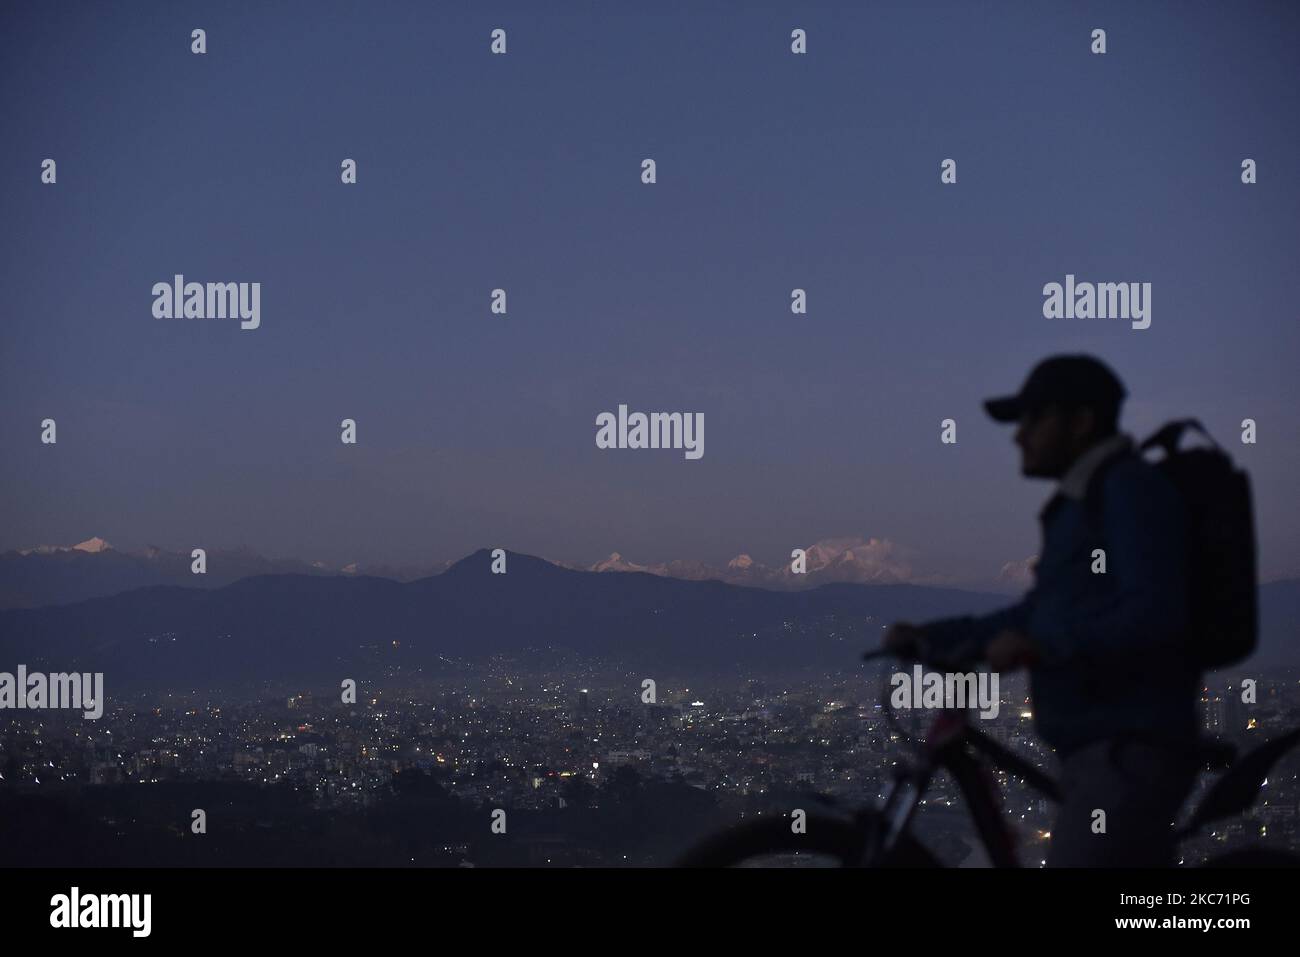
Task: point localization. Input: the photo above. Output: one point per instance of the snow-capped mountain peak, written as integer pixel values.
(615, 563)
(92, 545)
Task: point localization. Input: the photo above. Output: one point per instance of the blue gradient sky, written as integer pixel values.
(775, 171)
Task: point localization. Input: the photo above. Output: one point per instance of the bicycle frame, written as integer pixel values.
(870, 836)
(951, 743)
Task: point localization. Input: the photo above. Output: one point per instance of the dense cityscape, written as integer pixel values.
(589, 766)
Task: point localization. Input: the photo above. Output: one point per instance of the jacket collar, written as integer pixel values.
(1074, 483)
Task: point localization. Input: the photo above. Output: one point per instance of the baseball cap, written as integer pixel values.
(1070, 380)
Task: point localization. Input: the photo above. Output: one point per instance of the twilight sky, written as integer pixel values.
(522, 171)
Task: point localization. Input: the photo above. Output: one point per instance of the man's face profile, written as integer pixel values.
(1045, 440)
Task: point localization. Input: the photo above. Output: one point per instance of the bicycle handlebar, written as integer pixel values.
(951, 662)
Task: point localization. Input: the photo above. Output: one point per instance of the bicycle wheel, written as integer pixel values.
(830, 841)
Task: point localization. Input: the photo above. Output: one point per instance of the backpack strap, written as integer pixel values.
(1092, 496)
(1169, 435)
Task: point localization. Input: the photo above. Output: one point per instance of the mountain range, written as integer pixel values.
(56, 575)
(313, 627)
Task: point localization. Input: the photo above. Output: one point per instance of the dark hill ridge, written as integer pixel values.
(301, 628)
(35, 579)
(59, 575)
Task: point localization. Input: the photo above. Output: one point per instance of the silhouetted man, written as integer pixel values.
(1113, 682)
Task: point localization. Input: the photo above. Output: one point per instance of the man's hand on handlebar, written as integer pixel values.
(1008, 651)
(905, 640)
(911, 641)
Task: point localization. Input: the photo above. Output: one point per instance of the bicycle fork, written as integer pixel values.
(890, 821)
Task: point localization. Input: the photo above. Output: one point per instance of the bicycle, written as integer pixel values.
(880, 836)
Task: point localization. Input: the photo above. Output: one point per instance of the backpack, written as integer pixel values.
(1222, 591)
